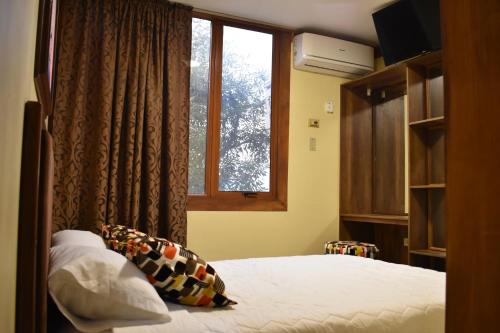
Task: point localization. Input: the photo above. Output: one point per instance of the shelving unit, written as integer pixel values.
(427, 165)
(373, 179)
(401, 211)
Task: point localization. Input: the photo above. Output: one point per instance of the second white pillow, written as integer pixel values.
(77, 237)
(97, 289)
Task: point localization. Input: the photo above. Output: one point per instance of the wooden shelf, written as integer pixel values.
(427, 161)
(376, 218)
(429, 253)
(395, 73)
(391, 75)
(428, 187)
(435, 122)
(429, 59)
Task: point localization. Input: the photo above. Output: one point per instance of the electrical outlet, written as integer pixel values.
(405, 242)
(314, 123)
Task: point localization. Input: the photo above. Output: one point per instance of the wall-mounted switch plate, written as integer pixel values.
(405, 242)
(329, 107)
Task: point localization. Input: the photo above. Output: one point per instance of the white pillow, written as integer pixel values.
(97, 289)
(78, 237)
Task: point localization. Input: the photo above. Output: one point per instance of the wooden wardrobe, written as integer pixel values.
(392, 172)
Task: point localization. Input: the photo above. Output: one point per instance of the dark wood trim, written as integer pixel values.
(276, 198)
(213, 135)
(435, 122)
(240, 22)
(35, 222)
(429, 59)
(392, 75)
(428, 186)
(376, 218)
(26, 292)
(54, 69)
(285, 44)
(430, 253)
(199, 203)
(42, 73)
(471, 48)
(44, 229)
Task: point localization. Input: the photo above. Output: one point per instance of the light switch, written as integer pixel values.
(329, 106)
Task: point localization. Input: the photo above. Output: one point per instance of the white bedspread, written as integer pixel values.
(323, 293)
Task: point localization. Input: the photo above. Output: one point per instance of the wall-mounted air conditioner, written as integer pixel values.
(332, 56)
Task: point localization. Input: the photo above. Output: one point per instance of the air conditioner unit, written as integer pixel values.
(321, 54)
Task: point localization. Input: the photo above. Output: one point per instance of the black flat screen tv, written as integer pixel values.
(408, 28)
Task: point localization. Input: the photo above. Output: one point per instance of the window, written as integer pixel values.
(238, 135)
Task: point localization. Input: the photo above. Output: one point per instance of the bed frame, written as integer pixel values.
(35, 221)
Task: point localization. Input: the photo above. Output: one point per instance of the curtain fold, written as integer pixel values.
(121, 116)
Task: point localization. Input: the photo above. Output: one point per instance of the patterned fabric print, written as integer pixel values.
(177, 273)
(121, 116)
(353, 248)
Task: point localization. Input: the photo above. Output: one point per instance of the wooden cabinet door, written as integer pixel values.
(471, 49)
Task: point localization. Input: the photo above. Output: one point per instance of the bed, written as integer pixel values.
(318, 293)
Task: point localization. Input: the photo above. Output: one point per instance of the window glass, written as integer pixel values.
(245, 122)
(240, 84)
(199, 88)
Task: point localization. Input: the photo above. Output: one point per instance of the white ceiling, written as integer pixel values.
(349, 19)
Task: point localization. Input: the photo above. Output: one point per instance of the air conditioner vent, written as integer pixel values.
(332, 56)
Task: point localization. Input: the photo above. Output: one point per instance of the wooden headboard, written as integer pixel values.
(35, 220)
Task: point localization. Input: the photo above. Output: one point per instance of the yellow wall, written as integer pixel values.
(17, 50)
(313, 188)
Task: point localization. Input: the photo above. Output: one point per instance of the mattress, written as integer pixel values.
(319, 293)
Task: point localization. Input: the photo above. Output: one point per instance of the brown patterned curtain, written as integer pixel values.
(121, 115)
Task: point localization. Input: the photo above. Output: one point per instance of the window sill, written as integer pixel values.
(202, 203)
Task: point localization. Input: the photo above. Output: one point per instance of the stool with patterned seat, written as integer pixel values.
(352, 248)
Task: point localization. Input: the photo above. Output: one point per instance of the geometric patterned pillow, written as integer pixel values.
(353, 248)
(178, 274)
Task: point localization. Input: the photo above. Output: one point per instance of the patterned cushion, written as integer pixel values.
(177, 273)
(353, 248)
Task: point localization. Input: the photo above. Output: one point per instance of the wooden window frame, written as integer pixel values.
(276, 198)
